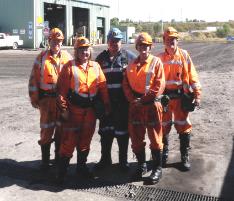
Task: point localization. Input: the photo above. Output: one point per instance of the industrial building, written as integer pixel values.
(32, 20)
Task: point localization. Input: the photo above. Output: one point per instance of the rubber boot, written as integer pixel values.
(165, 150)
(156, 173)
(123, 152)
(82, 168)
(45, 155)
(184, 150)
(62, 169)
(57, 140)
(106, 144)
(141, 166)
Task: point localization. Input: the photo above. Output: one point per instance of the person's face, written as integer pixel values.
(171, 44)
(114, 45)
(83, 53)
(55, 45)
(144, 51)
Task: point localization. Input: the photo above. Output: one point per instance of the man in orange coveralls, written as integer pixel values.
(181, 78)
(79, 84)
(43, 91)
(143, 86)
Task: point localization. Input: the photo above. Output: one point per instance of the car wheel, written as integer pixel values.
(15, 46)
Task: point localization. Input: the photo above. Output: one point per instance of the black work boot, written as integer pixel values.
(82, 168)
(156, 173)
(45, 155)
(106, 144)
(184, 150)
(165, 150)
(141, 167)
(62, 169)
(56, 152)
(123, 152)
(57, 139)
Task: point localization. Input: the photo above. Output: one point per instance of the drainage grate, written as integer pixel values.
(143, 193)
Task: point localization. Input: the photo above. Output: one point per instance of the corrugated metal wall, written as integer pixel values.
(16, 17)
(21, 16)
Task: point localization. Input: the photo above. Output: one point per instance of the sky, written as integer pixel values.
(153, 10)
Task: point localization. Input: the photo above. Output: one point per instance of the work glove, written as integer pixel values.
(64, 116)
(35, 104)
(197, 102)
(136, 102)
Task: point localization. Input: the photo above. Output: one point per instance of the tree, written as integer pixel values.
(224, 31)
(114, 22)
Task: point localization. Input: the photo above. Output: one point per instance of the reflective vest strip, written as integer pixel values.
(182, 123)
(47, 86)
(121, 132)
(47, 125)
(96, 70)
(196, 86)
(76, 77)
(185, 56)
(114, 86)
(42, 84)
(149, 74)
(77, 83)
(173, 62)
(169, 82)
(167, 123)
(114, 70)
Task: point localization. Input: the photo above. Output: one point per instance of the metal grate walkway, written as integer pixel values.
(144, 193)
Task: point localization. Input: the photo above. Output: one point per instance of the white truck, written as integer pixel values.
(10, 41)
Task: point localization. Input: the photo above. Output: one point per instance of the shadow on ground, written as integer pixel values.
(14, 172)
(228, 185)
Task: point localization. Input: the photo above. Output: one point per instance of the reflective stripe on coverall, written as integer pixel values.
(117, 122)
(80, 126)
(180, 74)
(148, 81)
(44, 75)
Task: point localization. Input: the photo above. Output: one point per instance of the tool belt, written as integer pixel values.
(44, 94)
(173, 94)
(95, 102)
(157, 99)
(187, 102)
(80, 101)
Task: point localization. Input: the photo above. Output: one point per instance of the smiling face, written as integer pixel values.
(55, 45)
(114, 45)
(83, 54)
(144, 51)
(171, 44)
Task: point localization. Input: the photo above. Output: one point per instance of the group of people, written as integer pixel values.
(129, 94)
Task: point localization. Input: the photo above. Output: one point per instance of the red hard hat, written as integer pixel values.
(56, 33)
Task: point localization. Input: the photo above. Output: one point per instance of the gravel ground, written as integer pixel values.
(212, 152)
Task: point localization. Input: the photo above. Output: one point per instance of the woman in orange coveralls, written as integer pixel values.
(143, 84)
(80, 82)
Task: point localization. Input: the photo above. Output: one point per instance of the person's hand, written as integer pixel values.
(35, 104)
(197, 102)
(64, 115)
(136, 102)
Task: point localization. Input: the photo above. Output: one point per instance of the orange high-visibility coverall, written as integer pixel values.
(42, 91)
(181, 76)
(79, 128)
(147, 83)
